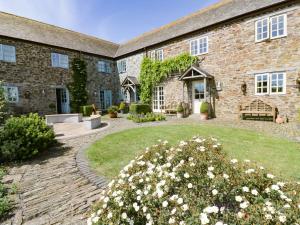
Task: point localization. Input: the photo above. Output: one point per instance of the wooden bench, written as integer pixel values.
(171, 108)
(257, 108)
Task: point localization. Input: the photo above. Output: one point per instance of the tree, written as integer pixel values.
(77, 87)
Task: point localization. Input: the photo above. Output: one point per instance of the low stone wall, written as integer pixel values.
(63, 118)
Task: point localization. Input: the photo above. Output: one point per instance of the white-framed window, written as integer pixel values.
(157, 55)
(7, 53)
(11, 93)
(262, 29)
(199, 46)
(158, 99)
(278, 26)
(270, 83)
(104, 67)
(122, 66)
(271, 27)
(60, 60)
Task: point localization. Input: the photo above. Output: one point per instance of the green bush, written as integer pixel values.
(5, 205)
(140, 108)
(24, 137)
(180, 108)
(149, 117)
(122, 106)
(86, 110)
(113, 109)
(204, 107)
(195, 182)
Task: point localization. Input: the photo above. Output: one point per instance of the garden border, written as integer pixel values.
(85, 169)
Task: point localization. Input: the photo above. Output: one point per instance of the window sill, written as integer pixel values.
(283, 36)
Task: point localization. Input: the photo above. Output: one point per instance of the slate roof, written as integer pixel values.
(31, 30)
(219, 12)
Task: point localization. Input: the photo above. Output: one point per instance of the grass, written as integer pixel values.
(110, 154)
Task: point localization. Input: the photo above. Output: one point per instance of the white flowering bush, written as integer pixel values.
(195, 183)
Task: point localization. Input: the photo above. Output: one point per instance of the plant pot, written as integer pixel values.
(179, 115)
(113, 115)
(204, 116)
(279, 120)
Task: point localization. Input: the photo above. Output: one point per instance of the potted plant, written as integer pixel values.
(122, 107)
(113, 111)
(180, 111)
(204, 108)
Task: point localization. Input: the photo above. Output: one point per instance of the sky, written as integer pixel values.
(113, 20)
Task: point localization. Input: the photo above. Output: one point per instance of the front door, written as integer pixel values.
(198, 95)
(63, 101)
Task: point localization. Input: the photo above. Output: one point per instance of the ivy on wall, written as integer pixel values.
(154, 72)
(77, 87)
(3, 105)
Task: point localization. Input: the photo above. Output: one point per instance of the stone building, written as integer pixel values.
(239, 43)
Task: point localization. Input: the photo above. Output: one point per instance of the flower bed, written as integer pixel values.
(196, 183)
(149, 117)
(5, 205)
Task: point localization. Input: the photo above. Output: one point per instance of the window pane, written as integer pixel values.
(9, 53)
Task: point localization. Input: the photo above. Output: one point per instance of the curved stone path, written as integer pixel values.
(52, 190)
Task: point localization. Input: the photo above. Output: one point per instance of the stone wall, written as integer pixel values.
(33, 73)
(133, 64)
(234, 57)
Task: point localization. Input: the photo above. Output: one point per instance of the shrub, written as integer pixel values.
(5, 205)
(204, 107)
(122, 106)
(24, 137)
(86, 110)
(149, 117)
(113, 109)
(140, 108)
(180, 108)
(195, 183)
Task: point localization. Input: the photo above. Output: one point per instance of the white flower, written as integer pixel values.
(244, 205)
(299, 206)
(249, 171)
(180, 201)
(211, 168)
(287, 206)
(254, 192)
(267, 190)
(270, 176)
(173, 211)
(190, 185)
(219, 223)
(204, 219)
(238, 198)
(145, 209)
(210, 175)
(109, 215)
(268, 216)
(148, 216)
(106, 199)
(165, 204)
(186, 175)
(121, 204)
(282, 218)
(233, 161)
(171, 220)
(96, 219)
(240, 215)
(245, 189)
(185, 207)
(124, 215)
(225, 176)
(215, 192)
(89, 221)
(275, 187)
(182, 223)
(211, 209)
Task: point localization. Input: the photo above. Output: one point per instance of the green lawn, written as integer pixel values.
(280, 156)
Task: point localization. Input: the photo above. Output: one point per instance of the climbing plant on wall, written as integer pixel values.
(77, 87)
(3, 106)
(153, 72)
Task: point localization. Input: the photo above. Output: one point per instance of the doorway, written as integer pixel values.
(198, 95)
(62, 101)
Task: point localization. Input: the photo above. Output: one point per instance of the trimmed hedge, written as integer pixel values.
(204, 107)
(140, 108)
(86, 110)
(24, 137)
(149, 117)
